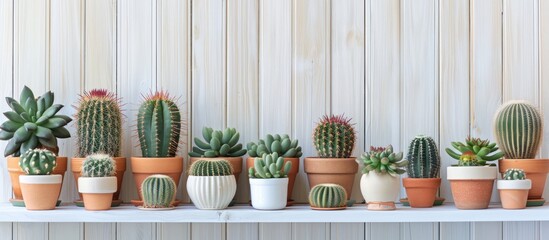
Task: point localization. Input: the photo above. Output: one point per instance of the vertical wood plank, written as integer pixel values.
(66, 231)
(208, 231)
(105, 231)
(384, 231)
(455, 231)
(544, 77)
(173, 231)
(312, 231)
(6, 228)
(419, 231)
(487, 230)
(242, 231)
(30, 231)
(521, 230)
(544, 230)
(347, 231)
(274, 231)
(135, 231)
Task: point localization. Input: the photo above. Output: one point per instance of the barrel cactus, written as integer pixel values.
(218, 143)
(281, 144)
(423, 158)
(159, 126)
(474, 152)
(158, 191)
(98, 165)
(38, 162)
(514, 174)
(33, 123)
(328, 195)
(211, 167)
(383, 160)
(334, 137)
(98, 123)
(270, 166)
(518, 129)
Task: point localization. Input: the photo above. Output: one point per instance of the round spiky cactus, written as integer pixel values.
(383, 160)
(334, 137)
(328, 195)
(218, 143)
(98, 165)
(514, 174)
(213, 167)
(281, 144)
(518, 129)
(38, 162)
(158, 191)
(423, 158)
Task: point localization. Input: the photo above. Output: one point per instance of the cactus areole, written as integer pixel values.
(334, 137)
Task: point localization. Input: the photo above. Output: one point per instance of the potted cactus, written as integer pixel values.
(518, 127)
(158, 128)
(99, 130)
(334, 140)
(285, 147)
(97, 183)
(269, 182)
(211, 184)
(33, 123)
(513, 189)
(328, 196)
(40, 187)
(158, 192)
(472, 179)
(380, 182)
(423, 167)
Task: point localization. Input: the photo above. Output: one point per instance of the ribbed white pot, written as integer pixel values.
(269, 194)
(211, 192)
(97, 184)
(377, 187)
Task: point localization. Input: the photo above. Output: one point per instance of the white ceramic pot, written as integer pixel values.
(377, 187)
(97, 192)
(269, 194)
(211, 192)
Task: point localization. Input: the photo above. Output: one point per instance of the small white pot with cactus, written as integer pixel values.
(97, 183)
(40, 189)
(211, 184)
(269, 182)
(513, 189)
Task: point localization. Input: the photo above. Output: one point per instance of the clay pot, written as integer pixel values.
(142, 167)
(40, 192)
(380, 190)
(15, 171)
(514, 193)
(536, 170)
(331, 170)
(472, 186)
(236, 162)
(97, 192)
(76, 168)
(291, 175)
(421, 192)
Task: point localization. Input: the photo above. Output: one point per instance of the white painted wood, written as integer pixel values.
(66, 231)
(419, 231)
(310, 231)
(544, 76)
(521, 230)
(273, 231)
(242, 231)
(173, 231)
(455, 231)
(104, 231)
(208, 231)
(544, 228)
(30, 231)
(135, 231)
(6, 229)
(347, 231)
(487, 230)
(384, 231)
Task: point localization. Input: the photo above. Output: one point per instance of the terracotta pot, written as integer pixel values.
(143, 167)
(536, 170)
(472, 186)
(76, 168)
(236, 162)
(331, 170)
(421, 192)
(15, 171)
(97, 192)
(40, 192)
(291, 175)
(514, 193)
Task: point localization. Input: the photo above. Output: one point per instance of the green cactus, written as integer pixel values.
(158, 191)
(328, 195)
(98, 165)
(159, 126)
(270, 166)
(423, 158)
(334, 137)
(213, 167)
(514, 174)
(282, 145)
(38, 162)
(474, 152)
(218, 143)
(518, 129)
(383, 160)
(99, 123)
(33, 123)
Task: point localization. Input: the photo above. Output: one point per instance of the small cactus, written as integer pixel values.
(383, 160)
(218, 143)
(212, 167)
(158, 191)
(328, 195)
(98, 165)
(281, 144)
(423, 158)
(270, 166)
(334, 137)
(514, 174)
(38, 162)
(474, 152)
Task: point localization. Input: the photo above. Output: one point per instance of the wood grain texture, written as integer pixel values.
(384, 231)
(208, 231)
(173, 231)
(455, 231)
(6, 229)
(104, 231)
(66, 231)
(544, 227)
(521, 230)
(419, 231)
(273, 231)
(30, 231)
(487, 230)
(242, 231)
(310, 231)
(135, 231)
(347, 231)
(544, 76)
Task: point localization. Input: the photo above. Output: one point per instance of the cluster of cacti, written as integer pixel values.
(38, 162)
(218, 143)
(514, 174)
(328, 195)
(474, 152)
(99, 123)
(334, 137)
(518, 130)
(282, 145)
(98, 165)
(423, 158)
(383, 160)
(270, 166)
(33, 123)
(159, 126)
(158, 191)
(213, 167)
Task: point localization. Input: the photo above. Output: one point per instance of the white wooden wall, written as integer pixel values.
(397, 67)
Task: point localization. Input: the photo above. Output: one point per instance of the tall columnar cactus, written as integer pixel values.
(474, 152)
(518, 129)
(218, 143)
(159, 126)
(38, 162)
(211, 167)
(514, 174)
(334, 137)
(158, 191)
(423, 158)
(98, 165)
(270, 166)
(99, 123)
(383, 160)
(328, 195)
(282, 145)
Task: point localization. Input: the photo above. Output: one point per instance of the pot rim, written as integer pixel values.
(40, 179)
(525, 184)
(471, 172)
(269, 181)
(97, 184)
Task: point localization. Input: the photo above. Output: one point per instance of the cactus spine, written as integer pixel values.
(282, 145)
(334, 137)
(423, 158)
(212, 167)
(38, 162)
(158, 191)
(218, 143)
(98, 165)
(514, 174)
(328, 195)
(270, 166)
